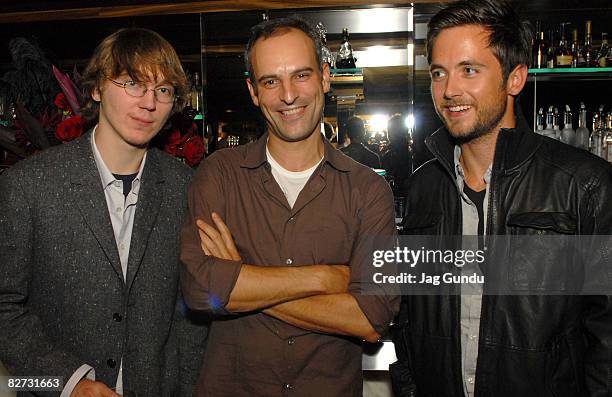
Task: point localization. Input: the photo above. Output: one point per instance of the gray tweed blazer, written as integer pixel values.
(63, 301)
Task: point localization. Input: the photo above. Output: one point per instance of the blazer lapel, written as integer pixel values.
(89, 198)
(150, 197)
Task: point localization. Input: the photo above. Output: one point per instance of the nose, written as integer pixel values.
(288, 92)
(148, 101)
(452, 87)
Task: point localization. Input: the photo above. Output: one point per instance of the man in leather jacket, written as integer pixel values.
(493, 176)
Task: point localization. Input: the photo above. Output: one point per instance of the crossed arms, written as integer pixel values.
(311, 297)
(320, 297)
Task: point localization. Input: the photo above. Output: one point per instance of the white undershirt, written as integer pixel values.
(291, 183)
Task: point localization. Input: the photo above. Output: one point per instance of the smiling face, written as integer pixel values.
(288, 85)
(127, 121)
(467, 85)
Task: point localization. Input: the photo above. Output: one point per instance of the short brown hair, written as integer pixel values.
(266, 29)
(142, 54)
(509, 36)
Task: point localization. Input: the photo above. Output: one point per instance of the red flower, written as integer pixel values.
(173, 147)
(193, 150)
(61, 102)
(70, 128)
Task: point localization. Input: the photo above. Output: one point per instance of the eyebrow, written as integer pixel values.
(274, 76)
(467, 62)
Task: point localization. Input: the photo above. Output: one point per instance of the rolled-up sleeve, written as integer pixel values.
(379, 302)
(206, 281)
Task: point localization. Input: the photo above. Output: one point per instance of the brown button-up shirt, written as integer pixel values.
(333, 220)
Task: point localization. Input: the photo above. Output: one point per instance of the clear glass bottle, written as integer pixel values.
(345, 58)
(596, 141)
(556, 124)
(568, 135)
(549, 131)
(540, 120)
(607, 138)
(582, 132)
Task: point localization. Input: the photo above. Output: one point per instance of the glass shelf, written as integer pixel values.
(348, 72)
(565, 74)
(569, 70)
(347, 76)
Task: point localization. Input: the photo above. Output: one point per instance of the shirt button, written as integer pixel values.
(289, 261)
(471, 380)
(117, 317)
(111, 363)
(121, 247)
(117, 183)
(291, 341)
(118, 209)
(288, 386)
(472, 337)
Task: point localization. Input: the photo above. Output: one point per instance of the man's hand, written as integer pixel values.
(89, 388)
(259, 287)
(217, 241)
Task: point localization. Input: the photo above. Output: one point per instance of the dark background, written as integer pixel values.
(69, 43)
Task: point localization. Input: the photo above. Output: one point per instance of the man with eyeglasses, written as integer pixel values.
(89, 252)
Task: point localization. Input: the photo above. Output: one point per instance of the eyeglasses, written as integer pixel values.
(163, 94)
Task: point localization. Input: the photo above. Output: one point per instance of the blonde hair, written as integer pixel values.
(140, 53)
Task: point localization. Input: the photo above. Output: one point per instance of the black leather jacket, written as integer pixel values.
(529, 346)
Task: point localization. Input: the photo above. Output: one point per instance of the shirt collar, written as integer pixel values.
(460, 175)
(106, 176)
(256, 155)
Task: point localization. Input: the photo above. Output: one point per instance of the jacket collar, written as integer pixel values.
(513, 148)
(89, 198)
(256, 155)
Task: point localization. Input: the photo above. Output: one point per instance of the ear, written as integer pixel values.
(252, 92)
(326, 74)
(516, 80)
(95, 94)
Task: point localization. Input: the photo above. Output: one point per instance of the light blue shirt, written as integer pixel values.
(471, 301)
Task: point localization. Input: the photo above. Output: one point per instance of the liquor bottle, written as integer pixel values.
(326, 54)
(539, 49)
(595, 143)
(582, 132)
(556, 124)
(607, 139)
(602, 54)
(549, 131)
(564, 54)
(540, 121)
(195, 94)
(578, 58)
(588, 51)
(568, 135)
(550, 53)
(345, 59)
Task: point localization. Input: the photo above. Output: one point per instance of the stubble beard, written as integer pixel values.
(486, 121)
